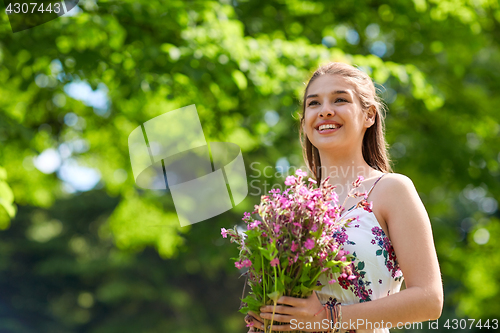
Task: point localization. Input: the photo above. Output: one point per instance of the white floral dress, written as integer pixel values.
(375, 269)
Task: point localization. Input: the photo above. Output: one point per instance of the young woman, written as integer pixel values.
(343, 126)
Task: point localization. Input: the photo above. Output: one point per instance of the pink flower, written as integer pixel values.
(290, 180)
(358, 181)
(238, 265)
(274, 262)
(312, 180)
(332, 281)
(246, 263)
(299, 173)
(309, 244)
(223, 232)
(351, 277)
(368, 206)
(254, 224)
(294, 246)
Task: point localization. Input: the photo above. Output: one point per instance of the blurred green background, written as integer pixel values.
(78, 252)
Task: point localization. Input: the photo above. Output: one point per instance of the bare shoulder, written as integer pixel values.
(394, 184)
(398, 197)
(397, 180)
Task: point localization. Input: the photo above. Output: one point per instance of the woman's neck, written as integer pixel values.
(344, 170)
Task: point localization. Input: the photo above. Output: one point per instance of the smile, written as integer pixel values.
(326, 129)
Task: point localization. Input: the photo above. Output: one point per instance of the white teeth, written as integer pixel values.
(322, 127)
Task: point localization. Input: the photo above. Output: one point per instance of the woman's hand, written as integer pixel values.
(298, 312)
(253, 321)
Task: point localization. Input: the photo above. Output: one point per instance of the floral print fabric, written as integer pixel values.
(374, 272)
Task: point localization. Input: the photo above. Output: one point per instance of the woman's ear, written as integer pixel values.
(371, 114)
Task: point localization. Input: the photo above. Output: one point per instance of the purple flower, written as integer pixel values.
(294, 246)
(309, 244)
(274, 262)
(223, 232)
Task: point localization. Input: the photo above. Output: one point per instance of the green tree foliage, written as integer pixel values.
(116, 259)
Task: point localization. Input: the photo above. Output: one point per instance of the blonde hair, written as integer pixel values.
(374, 147)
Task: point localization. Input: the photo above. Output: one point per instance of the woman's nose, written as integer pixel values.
(327, 111)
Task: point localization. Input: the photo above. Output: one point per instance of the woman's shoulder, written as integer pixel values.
(396, 181)
(395, 189)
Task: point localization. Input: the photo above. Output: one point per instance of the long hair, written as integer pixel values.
(374, 147)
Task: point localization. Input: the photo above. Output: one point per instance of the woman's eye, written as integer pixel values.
(340, 99)
(311, 103)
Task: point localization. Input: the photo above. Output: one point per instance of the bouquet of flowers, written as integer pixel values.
(297, 236)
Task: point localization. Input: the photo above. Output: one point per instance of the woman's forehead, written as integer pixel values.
(330, 83)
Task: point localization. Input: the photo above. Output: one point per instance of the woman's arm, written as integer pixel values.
(411, 236)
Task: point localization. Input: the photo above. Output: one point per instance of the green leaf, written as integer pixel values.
(361, 265)
(304, 290)
(274, 296)
(305, 273)
(379, 252)
(251, 301)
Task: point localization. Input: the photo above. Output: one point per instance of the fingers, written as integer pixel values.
(292, 301)
(255, 316)
(259, 325)
(277, 317)
(281, 309)
(253, 321)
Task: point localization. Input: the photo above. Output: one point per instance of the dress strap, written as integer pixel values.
(371, 188)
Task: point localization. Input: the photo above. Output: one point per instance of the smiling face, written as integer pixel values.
(333, 114)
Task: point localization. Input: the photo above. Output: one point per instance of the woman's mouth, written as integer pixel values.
(326, 129)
